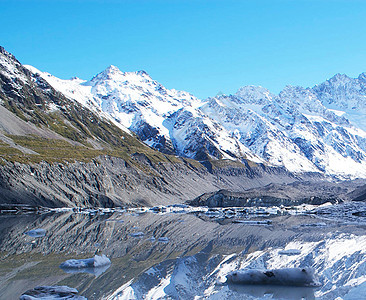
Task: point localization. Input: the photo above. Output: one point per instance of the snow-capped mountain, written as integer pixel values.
(131, 99)
(345, 96)
(320, 129)
(293, 129)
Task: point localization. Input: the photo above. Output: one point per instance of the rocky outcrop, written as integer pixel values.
(108, 181)
(296, 193)
(359, 194)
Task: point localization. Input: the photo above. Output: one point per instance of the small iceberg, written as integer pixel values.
(52, 292)
(137, 234)
(287, 276)
(163, 239)
(320, 224)
(36, 233)
(96, 265)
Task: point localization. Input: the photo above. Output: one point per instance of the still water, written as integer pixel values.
(184, 253)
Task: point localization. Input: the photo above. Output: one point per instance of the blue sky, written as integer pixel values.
(199, 46)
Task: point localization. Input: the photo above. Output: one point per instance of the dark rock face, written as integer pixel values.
(104, 182)
(359, 194)
(150, 134)
(297, 193)
(108, 181)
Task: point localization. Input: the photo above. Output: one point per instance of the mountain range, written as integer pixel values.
(56, 151)
(122, 138)
(320, 129)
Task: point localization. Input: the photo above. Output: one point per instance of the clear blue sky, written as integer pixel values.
(199, 46)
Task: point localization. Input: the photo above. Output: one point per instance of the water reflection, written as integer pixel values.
(96, 271)
(276, 292)
(177, 255)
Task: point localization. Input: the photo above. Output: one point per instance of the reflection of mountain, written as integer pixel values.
(276, 292)
(96, 271)
(193, 262)
(340, 260)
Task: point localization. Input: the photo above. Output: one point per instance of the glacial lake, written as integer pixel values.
(185, 253)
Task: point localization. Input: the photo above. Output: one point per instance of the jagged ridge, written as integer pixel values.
(318, 129)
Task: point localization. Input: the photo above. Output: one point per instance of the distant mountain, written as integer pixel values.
(346, 96)
(320, 129)
(294, 129)
(130, 99)
(56, 151)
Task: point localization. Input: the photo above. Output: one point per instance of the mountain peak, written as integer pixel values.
(6, 56)
(254, 94)
(339, 77)
(112, 69)
(362, 76)
(108, 73)
(6, 53)
(142, 73)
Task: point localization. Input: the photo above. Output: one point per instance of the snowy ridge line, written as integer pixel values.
(320, 129)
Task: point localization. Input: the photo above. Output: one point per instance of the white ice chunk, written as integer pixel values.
(95, 262)
(52, 293)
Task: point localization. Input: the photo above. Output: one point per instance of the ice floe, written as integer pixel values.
(137, 234)
(95, 265)
(35, 233)
(52, 293)
(163, 239)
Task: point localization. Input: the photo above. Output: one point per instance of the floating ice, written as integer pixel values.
(319, 224)
(253, 222)
(52, 293)
(163, 239)
(35, 233)
(96, 271)
(88, 263)
(285, 276)
(137, 234)
(273, 291)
